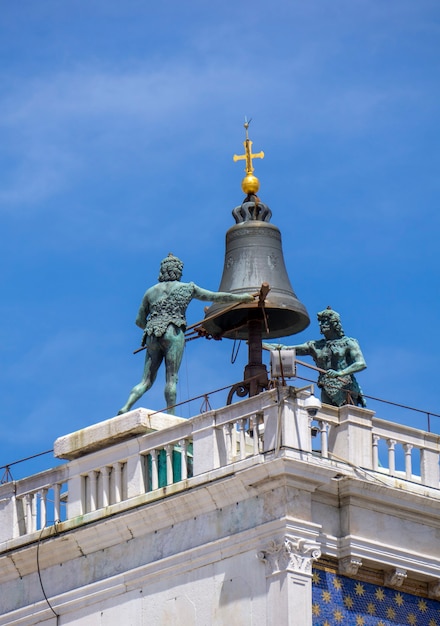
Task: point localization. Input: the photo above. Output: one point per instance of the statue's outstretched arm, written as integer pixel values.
(220, 296)
(302, 348)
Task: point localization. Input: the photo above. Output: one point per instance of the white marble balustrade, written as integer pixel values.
(419, 450)
(143, 453)
(33, 503)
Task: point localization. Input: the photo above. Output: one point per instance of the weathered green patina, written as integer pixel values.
(338, 356)
(162, 317)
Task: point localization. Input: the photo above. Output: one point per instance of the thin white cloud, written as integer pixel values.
(60, 125)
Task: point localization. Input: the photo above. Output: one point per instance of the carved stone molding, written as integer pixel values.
(396, 577)
(349, 566)
(434, 590)
(289, 553)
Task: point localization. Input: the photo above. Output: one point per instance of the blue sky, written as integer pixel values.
(118, 122)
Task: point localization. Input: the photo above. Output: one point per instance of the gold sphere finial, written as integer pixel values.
(250, 183)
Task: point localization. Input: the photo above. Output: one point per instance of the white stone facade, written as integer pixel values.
(217, 519)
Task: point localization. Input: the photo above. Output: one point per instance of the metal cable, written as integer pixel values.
(39, 570)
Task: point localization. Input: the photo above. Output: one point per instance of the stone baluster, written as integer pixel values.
(323, 427)
(154, 470)
(117, 481)
(105, 474)
(169, 460)
(392, 456)
(30, 512)
(376, 452)
(57, 502)
(92, 491)
(228, 434)
(183, 459)
(43, 507)
(255, 420)
(408, 464)
(242, 437)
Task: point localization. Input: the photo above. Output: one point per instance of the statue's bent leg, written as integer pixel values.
(153, 359)
(174, 344)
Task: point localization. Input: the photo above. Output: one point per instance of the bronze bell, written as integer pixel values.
(254, 263)
(254, 256)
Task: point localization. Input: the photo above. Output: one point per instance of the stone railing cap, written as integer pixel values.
(114, 430)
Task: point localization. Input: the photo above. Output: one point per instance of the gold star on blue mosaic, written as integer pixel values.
(379, 593)
(398, 599)
(422, 606)
(341, 600)
(371, 608)
(348, 601)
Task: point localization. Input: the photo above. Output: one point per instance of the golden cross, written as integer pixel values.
(248, 156)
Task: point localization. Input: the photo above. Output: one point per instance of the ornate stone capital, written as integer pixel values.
(396, 577)
(289, 553)
(349, 566)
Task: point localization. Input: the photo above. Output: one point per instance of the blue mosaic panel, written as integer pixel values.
(340, 600)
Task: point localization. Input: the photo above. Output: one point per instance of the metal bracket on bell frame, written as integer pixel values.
(256, 379)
